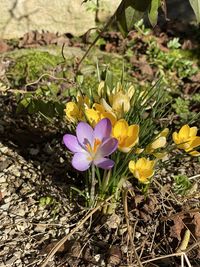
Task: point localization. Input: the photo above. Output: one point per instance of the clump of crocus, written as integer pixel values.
(142, 169)
(92, 146)
(126, 135)
(187, 139)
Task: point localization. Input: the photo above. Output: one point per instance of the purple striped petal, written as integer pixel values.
(81, 161)
(71, 143)
(108, 147)
(103, 129)
(84, 133)
(104, 163)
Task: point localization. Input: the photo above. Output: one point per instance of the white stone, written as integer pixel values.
(53, 16)
(70, 16)
(2, 179)
(5, 206)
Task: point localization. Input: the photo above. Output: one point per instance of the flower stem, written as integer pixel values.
(105, 181)
(93, 182)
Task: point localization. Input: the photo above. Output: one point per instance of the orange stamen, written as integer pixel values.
(93, 150)
(88, 147)
(97, 142)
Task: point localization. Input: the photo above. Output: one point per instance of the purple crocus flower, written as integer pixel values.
(91, 146)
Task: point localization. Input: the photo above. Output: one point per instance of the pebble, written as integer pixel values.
(11, 261)
(5, 206)
(62, 160)
(16, 173)
(7, 199)
(20, 212)
(40, 228)
(4, 164)
(2, 179)
(4, 150)
(34, 151)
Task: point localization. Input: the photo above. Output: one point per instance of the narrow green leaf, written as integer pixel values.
(153, 12)
(196, 8)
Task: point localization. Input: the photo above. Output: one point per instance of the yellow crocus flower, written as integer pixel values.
(187, 139)
(83, 101)
(73, 113)
(97, 113)
(159, 142)
(74, 110)
(142, 169)
(120, 104)
(126, 135)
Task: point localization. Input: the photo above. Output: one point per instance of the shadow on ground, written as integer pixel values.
(37, 141)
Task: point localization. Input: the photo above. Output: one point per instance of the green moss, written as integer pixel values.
(30, 66)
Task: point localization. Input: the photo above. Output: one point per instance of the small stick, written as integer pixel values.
(194, 177)
(187, 260)
(43, 75)
(182, 260)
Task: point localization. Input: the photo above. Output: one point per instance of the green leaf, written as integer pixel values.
(182, 184)
(153, 12)
(196, 8)
(129, 12)
(23, 104)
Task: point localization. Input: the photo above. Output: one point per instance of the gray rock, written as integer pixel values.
(4, 164)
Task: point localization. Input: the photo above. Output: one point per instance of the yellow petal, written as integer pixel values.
(98, 107)
(175, 138)
(72, 111)
(150, 164)
(93, 116)
(164, 132)
(131, 166)
(159, 142)
(139, 150)
(132, 135)
(141, 163)
(120, 129)
(194, 153)
(193, 131)
(195, 142)
(145, 174)
(184, 132)
(120, 103)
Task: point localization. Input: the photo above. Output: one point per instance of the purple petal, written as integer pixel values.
(103, 129)
(84, 133)
(71, 143)
(104, 163)
(108, 147)
(81, 161)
